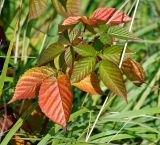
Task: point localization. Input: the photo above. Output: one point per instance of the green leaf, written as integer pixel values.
(69, 57)
(112, 77)
(85, 50)
(36, 8)
(50, 53)
(83, 68)
(105, 38)
(114, 52)
(121, 33)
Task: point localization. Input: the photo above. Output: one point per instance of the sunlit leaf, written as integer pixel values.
(85, 50)
(83, 68)
(104, 14)
(29, 83)
(114, 52)
(36, 8)
(71, 20)
(90, 84)
(112, 77)
(50, 53)
(134, 71)
(69, 57)
(120, 32)
(55, 99)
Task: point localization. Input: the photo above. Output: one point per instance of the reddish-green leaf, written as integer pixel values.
(90, 84)
(73, 7)
(36, 8)
(69, 57)
(50, 53)
(104, 14)
(114, 52)
(134, 71)
(29, 83)
(112, 77)
(74, 34)
(59, 7)
(83, 68)
(55, 99)
(68, 8)
(85, 50)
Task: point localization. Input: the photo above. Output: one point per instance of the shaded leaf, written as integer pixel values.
(85, 50)
(30, 82)
(74, 7)
(120, 32)
(74, 34)
(114, 52)
(134, 71)
(69, 57)
(90, 84)
(106, 39)
(36, 8)
(68, 7)
(112, 77)
(104, 14)
(59, 6)
(55, 99)
(83, 68)
(50, 53)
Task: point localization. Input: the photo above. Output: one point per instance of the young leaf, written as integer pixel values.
(134, 71)
(120, 32)
(114, 52)
(85, 50)
(82, 68)
(90, 84)
(50, 53)
(30, 82)
(104, 14)
(69, 57)
(55, 99)
(71, 20)
(112, 77)
(36, 8)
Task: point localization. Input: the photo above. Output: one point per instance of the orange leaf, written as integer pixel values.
(30, 82)
(90, 84)
(134, 71)
(55, 99)
(104, 14)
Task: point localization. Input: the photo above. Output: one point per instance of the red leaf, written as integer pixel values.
(55, 99)
(90, 84)
(104, 14)
(71, 20)
(30, 82)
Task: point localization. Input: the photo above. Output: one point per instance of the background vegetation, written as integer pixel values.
(135, 122)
